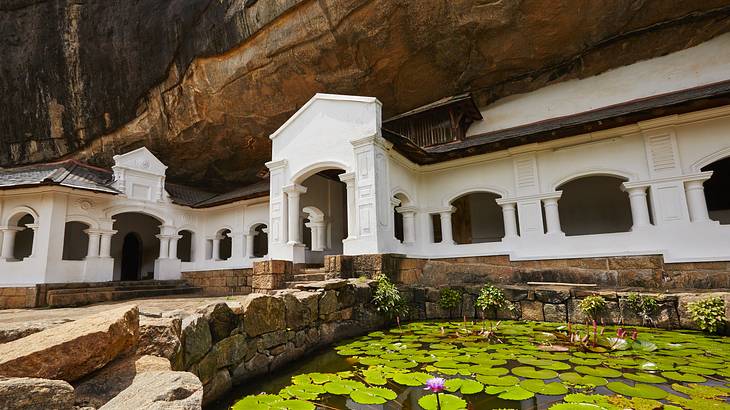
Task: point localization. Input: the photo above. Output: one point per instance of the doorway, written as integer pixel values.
(131, 257)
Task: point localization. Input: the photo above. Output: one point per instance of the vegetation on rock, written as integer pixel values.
(708, 314)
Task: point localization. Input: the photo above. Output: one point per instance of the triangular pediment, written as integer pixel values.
(140, 160)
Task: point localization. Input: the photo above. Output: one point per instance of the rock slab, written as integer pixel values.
(160, 390)
(25, 393)
(72, 350)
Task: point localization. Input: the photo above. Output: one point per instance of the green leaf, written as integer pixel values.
(516, 393)
(576, 406)
(540, 387)
(587, 380)
(684, 377)
(342, 386)
(446, 401)
(532, 373)
(372, 395)
(598, 371)
(498, 380)
(411, 379)
(271, 402)
(464, 386)
(644, 391)
(645, 377)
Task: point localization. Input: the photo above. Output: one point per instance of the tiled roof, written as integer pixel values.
(74, 174)
(71, 174)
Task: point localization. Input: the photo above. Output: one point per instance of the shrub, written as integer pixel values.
(592, 306)
(708, 314)
(388, 299)
(643, 306)
(492, 298)
(449, 299)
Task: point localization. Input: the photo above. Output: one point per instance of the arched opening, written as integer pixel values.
(75, 241)
(131, 257)
(135, 246)
(717, 191)
(23, 247)
(226, 244)
(594, 204)
(324, 207)
(260, 241)
(185, 246)
(477, 218)
(399, 200)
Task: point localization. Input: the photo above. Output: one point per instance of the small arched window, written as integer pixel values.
(477, 219)
(75, 241)
(185, 246)
(594, 204)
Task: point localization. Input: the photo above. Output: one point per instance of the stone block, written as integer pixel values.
(434, 311)
(531, 310)
(263, 314)
(327, 303)
(345, 297)
(552, 295)
(221, 320)
(635, 262)
(468, 305)
(161, 337)
(555, 312)
(206, 368)
(231, 350)
(196, 339)
(641, 278)
(219, 385)
(269, 340)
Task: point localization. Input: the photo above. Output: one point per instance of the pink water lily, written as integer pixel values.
(435, 384)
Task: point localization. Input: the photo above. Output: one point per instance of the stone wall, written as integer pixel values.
(227, 343)
(648, 272)
(221, 282)
(556, 304)
(17, 298)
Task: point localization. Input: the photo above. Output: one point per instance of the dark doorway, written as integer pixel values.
(131, 257)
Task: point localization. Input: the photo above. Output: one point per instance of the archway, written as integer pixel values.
(477, 218)
(185, 246)
(594, 204)
(324, 207)
(131, 257)
(260, 241)
(225, 245)
(24, 238)
(75, 241)
(717, 193)
(146, 245)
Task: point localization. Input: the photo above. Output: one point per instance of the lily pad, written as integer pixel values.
(532, 373)
(644, 391)
(586, 380)
(645, 377)
(684, 377)
(516, 393)
(411, 379)
(598, 371)
(372, 395)
(271, 402)
(540, 387)
(498, 380)
(445, 402)
(464, 386)
(342, 386)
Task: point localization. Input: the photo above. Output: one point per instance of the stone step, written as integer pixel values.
(313, 270)
(114, 288)
(67, 297)
(309, 277)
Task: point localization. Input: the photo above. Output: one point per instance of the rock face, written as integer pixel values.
(72, 350)
(161, 390)
(35, 394)
(191, 73)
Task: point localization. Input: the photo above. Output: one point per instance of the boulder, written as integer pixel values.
(25, 393)
(263, 314)
(161, 337)
(163, 390)
(221, 320)
(555, 313)
(196, 339)
(217, 386)
(72, 350)
(16, 330)
(327, 303)
(103, 385)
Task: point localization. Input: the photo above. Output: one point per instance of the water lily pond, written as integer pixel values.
(507, 365)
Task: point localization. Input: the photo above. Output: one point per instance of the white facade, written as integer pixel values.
(149, 213)
(338, 187)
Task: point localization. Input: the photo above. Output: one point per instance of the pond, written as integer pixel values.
(504, 365)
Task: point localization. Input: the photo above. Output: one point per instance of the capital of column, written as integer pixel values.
(446, 211)
(406, 210)
(348, 178)
(295, 189)
(11, 228)
(167, 229)
(167, 236)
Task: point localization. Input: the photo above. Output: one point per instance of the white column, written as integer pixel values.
(249, 243)
(409, 223)
(447, 236)
(696, 200)
(509, 216)
(552, 216)
(318, 237)
(173, 246)
(106, 244)
(349, 180)
(6, 253)
(639, 206)
(92, 250)
(293, 192)
(216, 248)
(237, 245)
(164, 246)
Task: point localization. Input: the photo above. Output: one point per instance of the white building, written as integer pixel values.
(635, 161)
